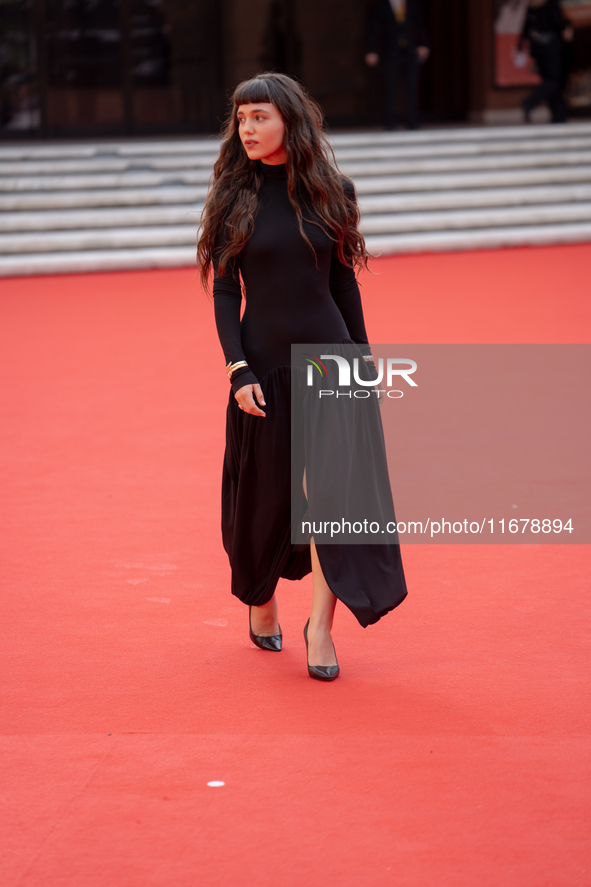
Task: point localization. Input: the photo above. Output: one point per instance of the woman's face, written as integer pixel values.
(262, 131)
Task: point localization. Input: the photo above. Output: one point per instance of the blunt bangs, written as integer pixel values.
(252, 91)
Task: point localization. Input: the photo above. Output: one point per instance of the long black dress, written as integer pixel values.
(289, 299)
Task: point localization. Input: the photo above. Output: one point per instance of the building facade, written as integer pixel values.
(130, 67)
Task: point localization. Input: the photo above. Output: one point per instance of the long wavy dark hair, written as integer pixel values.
(312, 173)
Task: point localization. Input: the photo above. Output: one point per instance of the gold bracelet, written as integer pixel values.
(232, 367)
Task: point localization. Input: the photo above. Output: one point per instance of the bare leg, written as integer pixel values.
(264, 619)
(320, 646)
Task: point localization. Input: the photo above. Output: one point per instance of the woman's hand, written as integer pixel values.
(246, 399)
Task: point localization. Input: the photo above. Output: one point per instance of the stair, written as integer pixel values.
(136, 204)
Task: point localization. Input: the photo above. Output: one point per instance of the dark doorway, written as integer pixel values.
(85, 67)
(444, 88)
(20, 105)
(443, 78)
(79, 67)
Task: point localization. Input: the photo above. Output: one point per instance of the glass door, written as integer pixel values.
(19, 81)
(84, 59)
(175, 49)
(90, 67)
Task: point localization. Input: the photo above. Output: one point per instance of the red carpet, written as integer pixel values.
(453, 750)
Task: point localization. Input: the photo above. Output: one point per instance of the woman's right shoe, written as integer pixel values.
(321, 672)
(265, 642)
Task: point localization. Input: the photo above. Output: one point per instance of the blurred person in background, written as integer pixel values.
(546, 29)
(396, 29)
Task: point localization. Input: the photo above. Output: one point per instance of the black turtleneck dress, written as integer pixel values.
(290, 298)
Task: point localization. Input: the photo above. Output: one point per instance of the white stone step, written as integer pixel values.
(493, 179)
(461, 134)
(487, 238)
(105, 165)
(137, 147)
(372, 207)
(65, 220)
(543, 150)
(45, 209)
(97, 239)
(157, 173)
(476, 218)
(463, 149)
(184, 256)
(367, 183)
(96, 260)
(473, 198)
(53, 200)
(104, 180)
(137, 203)
(433, 165)
(405, 223)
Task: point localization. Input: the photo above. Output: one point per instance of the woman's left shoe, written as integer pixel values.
(321, 672)
(265, 642)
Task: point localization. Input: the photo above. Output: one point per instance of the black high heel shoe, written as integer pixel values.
(321, 672)
(265, 642)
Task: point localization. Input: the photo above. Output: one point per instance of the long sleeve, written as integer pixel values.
(227, 298)
(345, 292)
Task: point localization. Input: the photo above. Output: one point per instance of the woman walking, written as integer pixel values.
(280, 217)
(545, 28)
